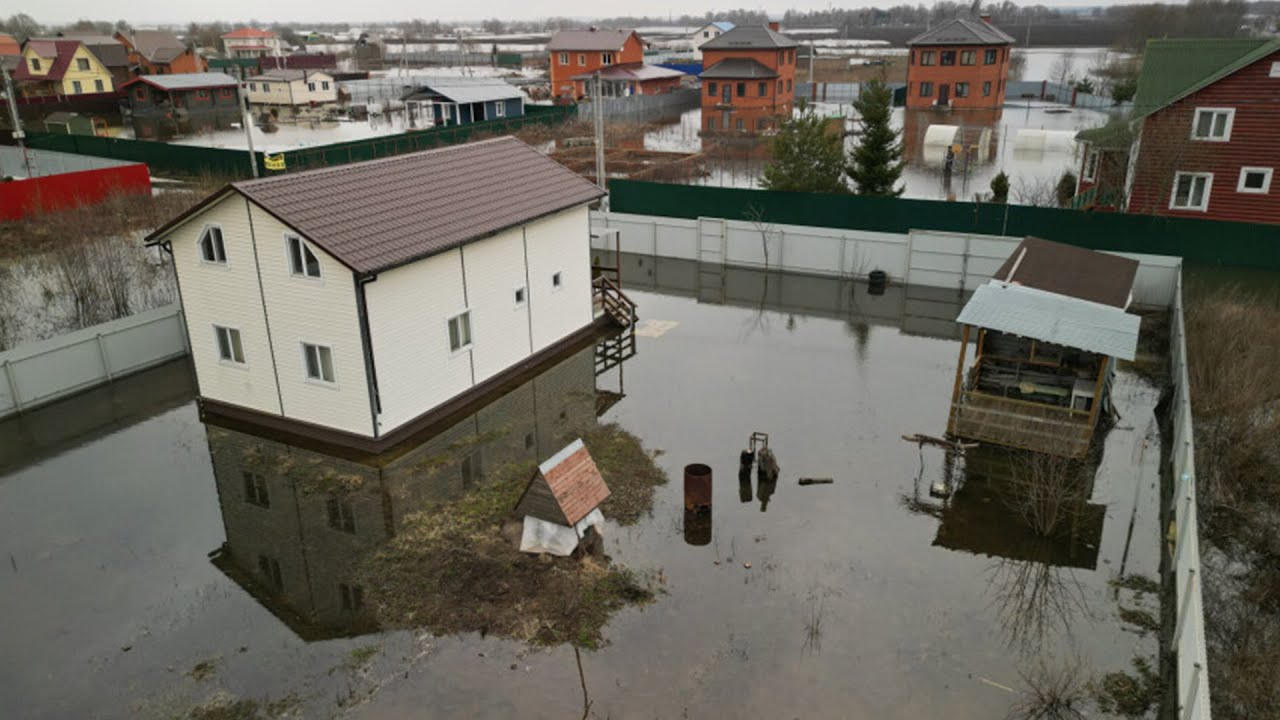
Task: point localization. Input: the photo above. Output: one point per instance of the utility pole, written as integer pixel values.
(12, 101)
(597, 110)
(247, 121)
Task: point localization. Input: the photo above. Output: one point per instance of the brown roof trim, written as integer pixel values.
(156, 236)
(379, 451)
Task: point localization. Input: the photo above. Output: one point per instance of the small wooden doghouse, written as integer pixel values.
(1050, 324)
(562, 502)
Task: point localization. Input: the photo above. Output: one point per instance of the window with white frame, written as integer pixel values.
(1275, 70)
(212, 249)
(606, 58)
(82, 64)
(500, 108)
(564, 58)
(302, 262)
(1191, 191)
(1212, 124)
(311, 87)
(1254, 180)
(1090, 166)
(556, 280)
(324, 84)
(582, 59)
(460, 331)
(520, 295)
(318, 360)
(230, 349)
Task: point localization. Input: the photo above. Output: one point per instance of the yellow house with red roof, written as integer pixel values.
(60, 67)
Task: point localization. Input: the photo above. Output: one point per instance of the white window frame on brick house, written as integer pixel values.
(1214, 113)
(217, 246)
(1203, 206)
(564, 58)
(582, 59)
(303, 263)
(1266, 173)
(326, 370)
(461, 336)
(230, 345)
(606, 58)
(1090, 166)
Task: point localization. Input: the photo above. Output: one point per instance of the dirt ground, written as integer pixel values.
(452, 569)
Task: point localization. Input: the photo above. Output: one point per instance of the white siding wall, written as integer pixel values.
(408, 310)
(228, 296)
(559, 243)
(500, 328)
(318, 311)
(279, 92)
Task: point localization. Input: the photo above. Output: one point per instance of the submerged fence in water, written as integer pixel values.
(41, 372)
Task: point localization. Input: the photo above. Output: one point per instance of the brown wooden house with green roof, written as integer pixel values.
(1206, 119)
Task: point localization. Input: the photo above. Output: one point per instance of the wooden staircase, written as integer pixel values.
(610, 299)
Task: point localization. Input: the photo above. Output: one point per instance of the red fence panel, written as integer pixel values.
(21, 198)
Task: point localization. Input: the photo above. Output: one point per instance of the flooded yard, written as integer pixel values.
(141, 583)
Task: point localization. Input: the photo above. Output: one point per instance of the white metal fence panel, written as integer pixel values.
(41, 372)
(960, 260)
(1188, 637)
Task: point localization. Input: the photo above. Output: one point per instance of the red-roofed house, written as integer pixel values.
(578, 52)
(156, 52)
(629, 79)
(252, 43)
(562, 501)
(60, 67)
(10, 51)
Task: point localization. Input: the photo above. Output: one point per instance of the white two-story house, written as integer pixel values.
(349, 303)
(292, 88)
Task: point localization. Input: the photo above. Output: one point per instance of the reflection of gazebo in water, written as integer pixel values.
(982, 518)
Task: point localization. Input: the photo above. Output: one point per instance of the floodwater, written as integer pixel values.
(848, 599)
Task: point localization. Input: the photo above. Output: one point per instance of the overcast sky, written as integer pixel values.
(145, 12)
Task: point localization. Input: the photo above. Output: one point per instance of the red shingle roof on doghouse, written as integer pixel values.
(566, 488)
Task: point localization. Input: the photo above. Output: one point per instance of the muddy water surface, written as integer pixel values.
(818, 601)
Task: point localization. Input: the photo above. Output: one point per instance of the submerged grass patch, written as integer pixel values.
(450, 569)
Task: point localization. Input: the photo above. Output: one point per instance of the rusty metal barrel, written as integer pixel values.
(697, 487)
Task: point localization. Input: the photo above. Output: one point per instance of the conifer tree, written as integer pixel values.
(876, 163)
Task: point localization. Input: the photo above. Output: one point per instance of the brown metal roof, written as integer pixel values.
(379, 214)
(591, 40)
(1072, 271)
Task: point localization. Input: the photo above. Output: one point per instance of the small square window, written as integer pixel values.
(352, 597)
(82, 64)
(556, 280)
(230, 349)
(302, 261)
(1254, 180)
(947, 57)
(342, 515)
(460, 331)
(520, 295)
(1191, 191)
(212, 249)
(318, 360)
(255, 490)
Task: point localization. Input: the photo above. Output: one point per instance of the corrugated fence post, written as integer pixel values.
(102, 355)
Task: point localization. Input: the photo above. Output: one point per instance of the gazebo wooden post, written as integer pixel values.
(955, 390)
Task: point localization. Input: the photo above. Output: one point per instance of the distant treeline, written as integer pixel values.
(1122, 26)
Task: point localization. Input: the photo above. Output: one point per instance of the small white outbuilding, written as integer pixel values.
(562, 501)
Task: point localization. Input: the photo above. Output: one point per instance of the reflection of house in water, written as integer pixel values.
(299, 522)
(1049, 327)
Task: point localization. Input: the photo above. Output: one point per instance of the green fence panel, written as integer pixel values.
(1204, 241)
(161, 158)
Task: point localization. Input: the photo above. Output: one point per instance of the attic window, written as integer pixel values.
(1275, 70)
(35, 63)
(212, 249)
(302, 262)
(1254, 180)
(82, 64)
(1213, 124)
(460, 332)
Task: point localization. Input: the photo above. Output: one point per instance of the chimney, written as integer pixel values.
(985, 17)
(774, 26)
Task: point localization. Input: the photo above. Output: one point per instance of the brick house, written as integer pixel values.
(581, 52)
(155, 52)
(963, 63)
(251, 43)
(748, 81)
(1206, 114)
(629, 79)
(167, 105)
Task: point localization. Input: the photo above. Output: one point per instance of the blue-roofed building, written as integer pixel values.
(710, 31)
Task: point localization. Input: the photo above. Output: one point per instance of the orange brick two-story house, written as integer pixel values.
(583, 52)
(963, 63)
(748, 79)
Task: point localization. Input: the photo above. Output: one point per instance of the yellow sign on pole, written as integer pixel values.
(273, 162)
